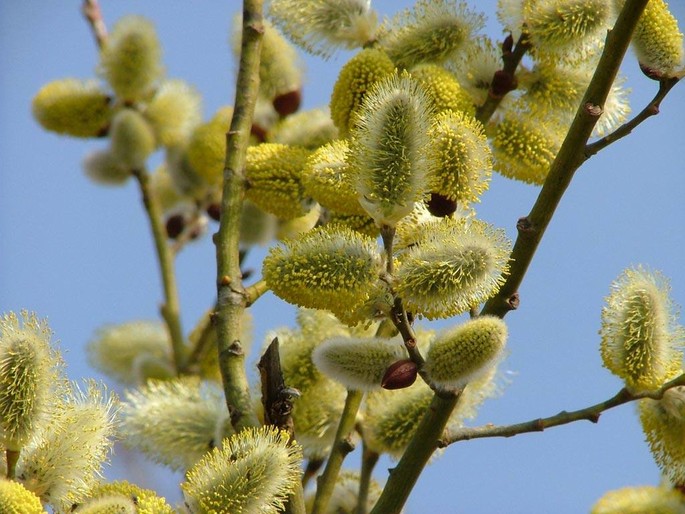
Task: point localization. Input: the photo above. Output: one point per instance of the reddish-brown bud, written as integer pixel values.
(508, 44)
(175, 225)
(288, 103)
(214, 211)
(441, 206)
(400, 374)
(258, 132)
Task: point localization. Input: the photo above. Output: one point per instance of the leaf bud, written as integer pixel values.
(130, 60)
(73, 107)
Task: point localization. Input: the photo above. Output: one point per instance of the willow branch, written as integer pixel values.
(231, 300)
(253, 292)
(568, 160)
(652, 109)
(342, 445)
(170, 309)
(591, 414)
(531, 230)
(91, 11)
(369, 461)
(504, 80)
(422, 445)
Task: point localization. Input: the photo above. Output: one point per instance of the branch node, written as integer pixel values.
(514, 301)
(593, 110)
(524, 225)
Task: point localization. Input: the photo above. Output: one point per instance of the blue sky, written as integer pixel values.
(80, 255)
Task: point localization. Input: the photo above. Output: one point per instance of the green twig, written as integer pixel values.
(253, 292)
(650, 110)
(341, 447)
(568, 160)
(170, 309)
(231, 300)
(421, 447)
(91, 11)
(369, 461)
(531, 229)
(591, 414)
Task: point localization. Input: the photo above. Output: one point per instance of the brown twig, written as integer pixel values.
(92, 12)
(591, 414)
(652, 109)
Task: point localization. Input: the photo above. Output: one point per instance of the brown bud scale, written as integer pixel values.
(400, 374)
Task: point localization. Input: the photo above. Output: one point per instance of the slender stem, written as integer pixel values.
(568, 160)
(203, 342)
(591, 414)
(369, 461)
(253, 292)
(341, 447)
(531, 229)
(650, 110)
(12, 458)
(421, 447)
(91, 11)
(231, 301)
(170, 309)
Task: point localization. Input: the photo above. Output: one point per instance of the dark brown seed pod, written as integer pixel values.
(400, 374)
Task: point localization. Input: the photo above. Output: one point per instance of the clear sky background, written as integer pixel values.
(80, 254)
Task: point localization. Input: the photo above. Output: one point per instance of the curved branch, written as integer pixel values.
(652, 109)
(591, 414)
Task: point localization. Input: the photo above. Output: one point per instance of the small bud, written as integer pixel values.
(354, 80)
(357, 363)
(28, 370)
(173, 112)
(191, 418)
(441, 206)
(430, 33)
(400, 374)
(642, 499)
(132, 139)
(640, 339)
(466, 352)
(508, 44)
(214, 211)
(321, 26)
(254, 471)
(327, 268)
(452, 266)
(389, 149)
(175, 225)
(130, 59)
(73, 107)
(16, 499)
(288, 103)
(273, 172)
